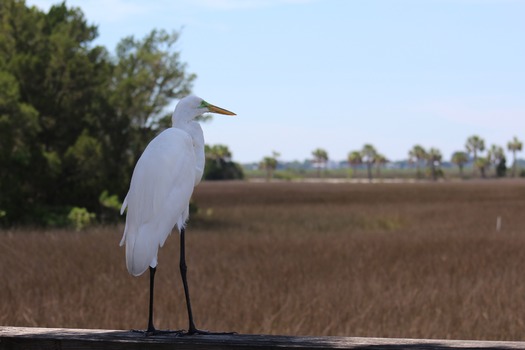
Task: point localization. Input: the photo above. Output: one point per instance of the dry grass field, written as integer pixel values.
(385, 260)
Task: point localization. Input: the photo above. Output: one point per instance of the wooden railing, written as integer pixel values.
(14, 338)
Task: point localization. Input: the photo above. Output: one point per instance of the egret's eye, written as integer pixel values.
(203, 104)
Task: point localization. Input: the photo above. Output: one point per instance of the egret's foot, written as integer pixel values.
(152, 332)
(196, 331)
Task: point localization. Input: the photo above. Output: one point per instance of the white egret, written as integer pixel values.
(159, 194)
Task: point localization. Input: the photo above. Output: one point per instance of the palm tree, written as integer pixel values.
(416, 155)
(320, 159)
(218, 153)
(379, 160)
(460, 158)
(219, 164)
(368, 153)
(434, 158)
(495, 157)
(355, 159)
(269, 164)
(474, 145)
(482, 163)
(514, 145)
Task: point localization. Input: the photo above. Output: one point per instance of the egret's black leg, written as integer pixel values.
(151, 329)
(183, 270)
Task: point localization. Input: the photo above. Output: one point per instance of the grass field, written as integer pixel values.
(419, 260)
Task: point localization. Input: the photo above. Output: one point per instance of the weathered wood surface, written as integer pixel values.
(12, 338)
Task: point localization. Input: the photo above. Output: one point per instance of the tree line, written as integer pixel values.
(74, 118)
(430, 159)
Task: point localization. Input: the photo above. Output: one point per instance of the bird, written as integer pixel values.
(162, 183)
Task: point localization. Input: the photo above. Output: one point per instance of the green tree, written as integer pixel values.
(269, 164)
(219, 164)
(320, 159)
(18, 127)
(368, 153)
(56, 95)
(501, 167)
(474, 145)
(495, 157)
(460, 158)
(19, 120)
(514, 146)
(434, 158)
(354, 159)
(417, 155)
(81, 167)
(482, 163)
(72, 114)
(218, 153)
(147, 76)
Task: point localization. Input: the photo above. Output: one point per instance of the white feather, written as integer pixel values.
(160, 190)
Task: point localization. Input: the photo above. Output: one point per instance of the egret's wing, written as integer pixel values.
(158, 198)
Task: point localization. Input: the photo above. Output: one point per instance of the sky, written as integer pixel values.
(336, 74)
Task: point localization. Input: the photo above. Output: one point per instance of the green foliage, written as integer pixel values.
(460, 158)
(320, 158)
(219, 165)
(80, 218)
(269, 164)
(482, 164)
(287, 175)
(109, 201)
(475, 144)
(514, 145)
(222, 170)
(109, 207)
(501, 168)
(434, 158)
(148, 76)
(416, 155)
(49, 216)
(368, 155)
(73, 119)
(355, 158)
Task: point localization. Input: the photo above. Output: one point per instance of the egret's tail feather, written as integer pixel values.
(143, 244)
(124, 205)
(141, 253)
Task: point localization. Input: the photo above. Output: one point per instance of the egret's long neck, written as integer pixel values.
(194, 129)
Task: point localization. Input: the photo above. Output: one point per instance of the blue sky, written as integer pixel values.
(335, 74)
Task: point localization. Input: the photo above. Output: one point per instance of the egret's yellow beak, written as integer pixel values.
(219, 110)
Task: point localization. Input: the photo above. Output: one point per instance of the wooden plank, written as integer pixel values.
(14, 338)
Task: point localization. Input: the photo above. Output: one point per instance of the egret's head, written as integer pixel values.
(192, 106)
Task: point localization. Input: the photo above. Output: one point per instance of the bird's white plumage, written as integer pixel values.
(160, 191)
(161, 186)
(156, 205)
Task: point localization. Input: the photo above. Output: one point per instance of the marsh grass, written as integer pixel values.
(382, 260)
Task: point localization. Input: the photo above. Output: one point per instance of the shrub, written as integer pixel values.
(79, 218)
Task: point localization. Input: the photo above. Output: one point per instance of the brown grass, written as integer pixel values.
(383, 260)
